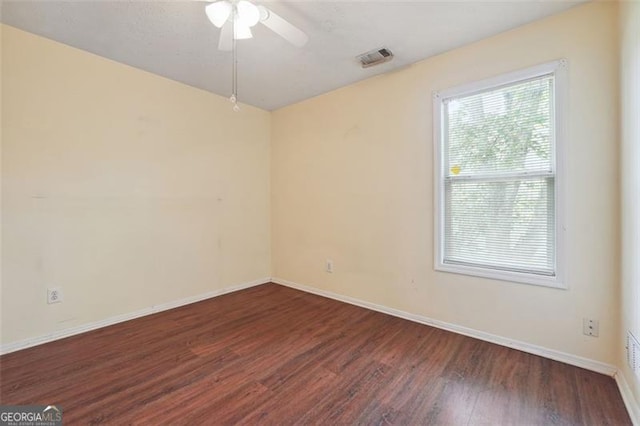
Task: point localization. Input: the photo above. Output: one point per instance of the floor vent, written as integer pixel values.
(633, 353)
(375, 57)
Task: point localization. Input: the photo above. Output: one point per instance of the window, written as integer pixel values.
(497, 177)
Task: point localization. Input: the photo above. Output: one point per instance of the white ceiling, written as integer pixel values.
(175, 39)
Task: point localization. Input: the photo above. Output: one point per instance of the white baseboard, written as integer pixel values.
(627, 396)
(567, 358)
(61, 334)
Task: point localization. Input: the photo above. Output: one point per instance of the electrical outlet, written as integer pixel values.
(54, 295)
(329, 266)
(590, 327)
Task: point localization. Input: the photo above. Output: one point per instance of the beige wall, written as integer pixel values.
(1, 132)
(126, 189)
(630, 178)
(352, 180)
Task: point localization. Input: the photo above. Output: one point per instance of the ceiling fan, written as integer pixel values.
(236, 17)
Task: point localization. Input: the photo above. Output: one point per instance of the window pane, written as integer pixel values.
(506, 225)
(508, 129)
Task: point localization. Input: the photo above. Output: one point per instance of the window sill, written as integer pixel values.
(515, 277)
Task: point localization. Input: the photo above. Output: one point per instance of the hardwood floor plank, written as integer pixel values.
(274, 355)
(288, 407)
(608, 410)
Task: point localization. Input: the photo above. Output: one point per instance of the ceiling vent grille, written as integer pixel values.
(375, 57)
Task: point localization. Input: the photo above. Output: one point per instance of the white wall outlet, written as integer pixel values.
(329, 266)
(590, 327)
(54, 295)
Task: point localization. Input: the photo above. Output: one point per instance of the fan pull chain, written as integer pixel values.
(234, 64)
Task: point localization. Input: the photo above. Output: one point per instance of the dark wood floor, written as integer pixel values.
(273, 355)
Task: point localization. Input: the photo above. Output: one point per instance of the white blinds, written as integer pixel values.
(499, 181)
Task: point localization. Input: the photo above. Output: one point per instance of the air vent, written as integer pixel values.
(375, 57)
(633, 353)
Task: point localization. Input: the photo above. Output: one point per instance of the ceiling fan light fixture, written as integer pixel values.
(264, 12)
(235, 19)
(248, 13)
(242, 32)
(218, 12)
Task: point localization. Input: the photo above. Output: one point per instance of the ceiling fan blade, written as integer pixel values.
(283, 28)
(226, 37)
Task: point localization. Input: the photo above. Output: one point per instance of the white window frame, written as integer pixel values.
(559, 70)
